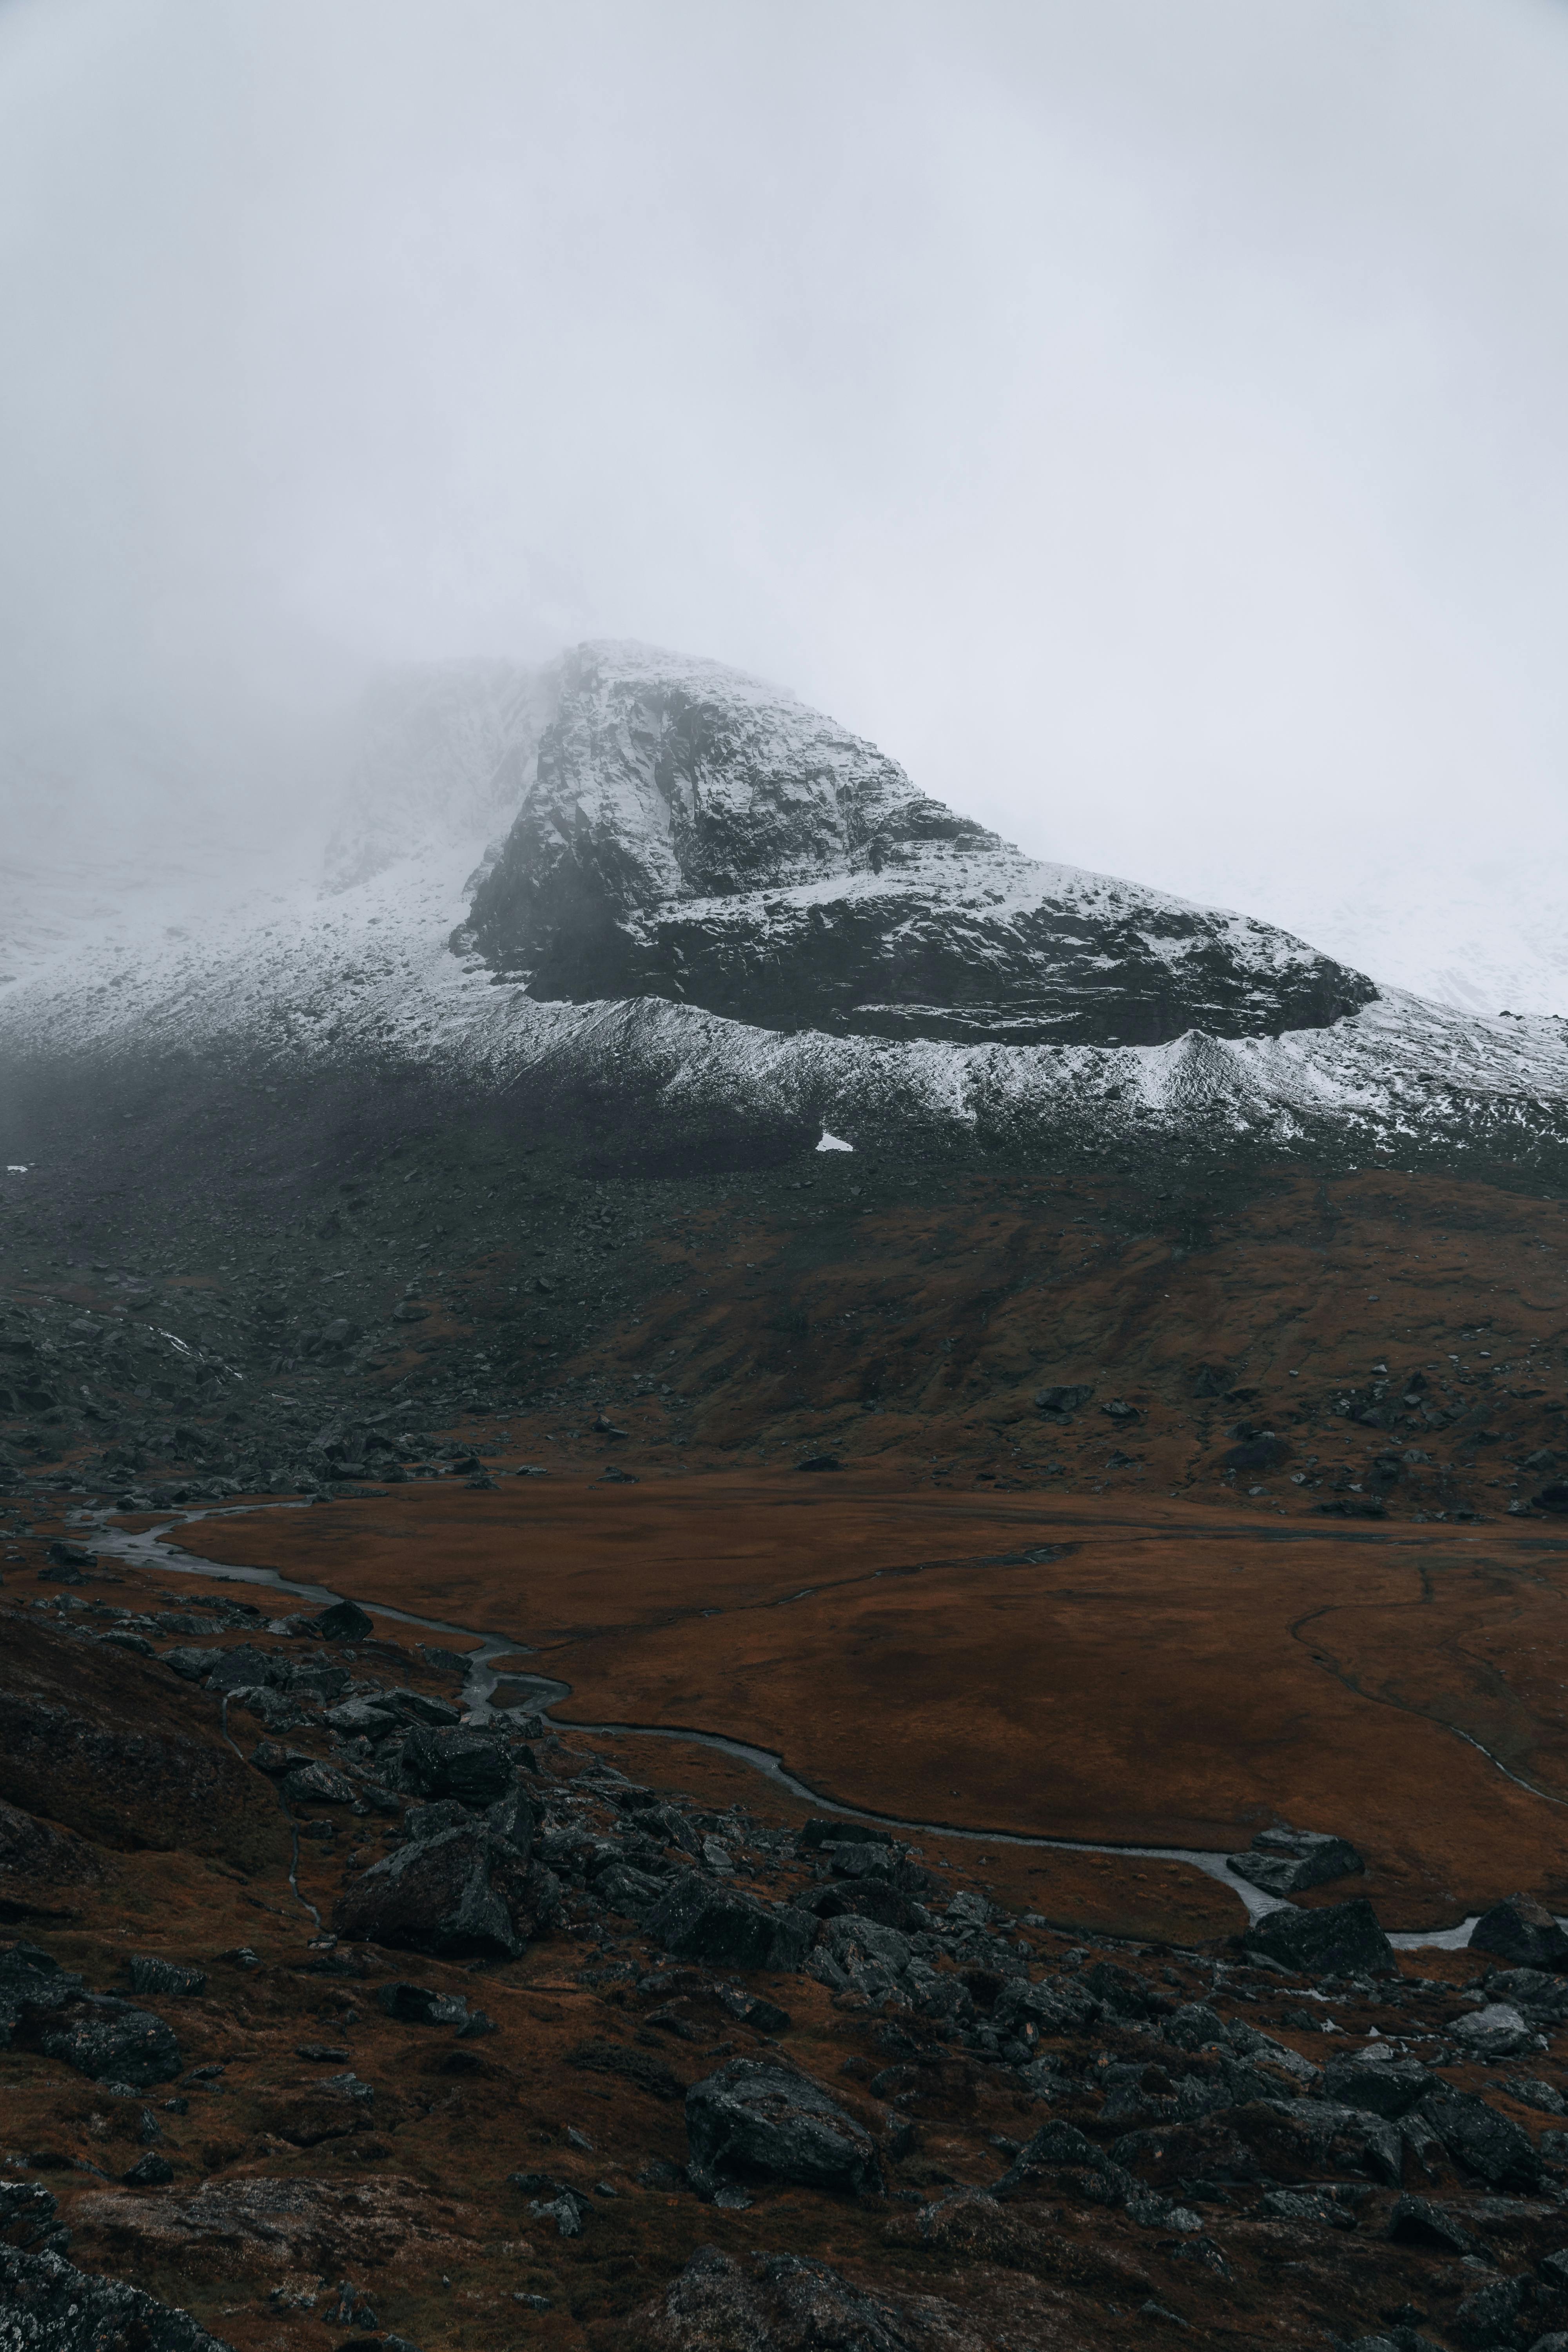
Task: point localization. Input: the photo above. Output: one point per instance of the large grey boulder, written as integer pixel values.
(1389, 2088)
(1284, 1861)
(1477, 2137)
(1498, 2031)
(768, 2123)
(698, 1920)
(449, 1762)
(1523, 1931)
(1342, 1939)
(46, 2305)
(110, 2042)
(459, 1895)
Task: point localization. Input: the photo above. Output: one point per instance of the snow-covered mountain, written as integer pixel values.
(695, 834)
(748, 912)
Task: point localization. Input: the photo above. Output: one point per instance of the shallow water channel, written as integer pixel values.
(540, 1693)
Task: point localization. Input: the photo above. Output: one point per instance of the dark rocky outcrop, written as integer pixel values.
(779, 2303)
(48, 2305)
(698, 1920)
(692, 834)
(110, 2042)
(768, 2123)
(463, 1895)
(1523, 1931)
(1285, 1862)
(1342, 1939)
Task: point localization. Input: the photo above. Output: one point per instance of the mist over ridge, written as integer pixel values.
(1146, 430)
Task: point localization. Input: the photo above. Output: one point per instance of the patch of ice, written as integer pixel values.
(834, 1143)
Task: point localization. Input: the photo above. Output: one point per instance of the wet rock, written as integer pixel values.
(318, 1784)
(1283, 1862)
(855, 1953)
(763, 2122)
(1522, 1930)
(191, 1661)
(1029, 2011)
(422, 1822)
(151, 1973)
(345, 1620)
(1418, 2222)
(450, 1762)
(110, 2042)
(1496, 2031)
(1121, 1992)
(698, 1920)
(450, 1895)
(1389, 2088)
(1490, 2313)
(1342, 1939)
(784, 2304)
(48, 2305)
(633, 1893)
(1480, 2139)
(1311, 2205)
(245, 1668)
(869, 1898)
(69, 1555)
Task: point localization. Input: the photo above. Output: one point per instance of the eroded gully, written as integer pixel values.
(540, 1693)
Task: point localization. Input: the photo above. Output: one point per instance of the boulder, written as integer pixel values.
(786, 2303)
(869, 1898)
(48, 2305)
(1480, 2139)
(1342, 1939)
(768, 2123)
(32, 1982)
(452, 1895)
(1418, 2222)
(1498, 2031)
(1390, 2087)
(369, 1716)
(698, 1920)
(1283, 1862)
(110, 2042)
(246, 1668)
(1058, 1402)
(345, 1620)
(1523, 1931)
(445, 1761)
(317, 1784)
(151, 1973)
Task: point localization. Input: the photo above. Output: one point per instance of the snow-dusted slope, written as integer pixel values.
(306, 977)
(693, 834)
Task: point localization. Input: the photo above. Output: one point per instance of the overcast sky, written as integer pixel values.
(1145, 417)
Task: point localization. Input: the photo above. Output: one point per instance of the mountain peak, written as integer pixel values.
(694, 834)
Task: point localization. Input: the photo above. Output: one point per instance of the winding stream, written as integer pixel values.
(540, 1693)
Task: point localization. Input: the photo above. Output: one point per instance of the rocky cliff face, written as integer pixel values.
(691, 834)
